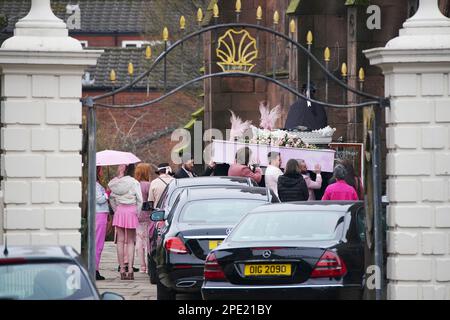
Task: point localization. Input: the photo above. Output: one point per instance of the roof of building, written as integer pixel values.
(113, 16)
(179, 68)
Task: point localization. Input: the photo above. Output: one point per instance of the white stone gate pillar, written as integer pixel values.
(41, 69)
(416, 66)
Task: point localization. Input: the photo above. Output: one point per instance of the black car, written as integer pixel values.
(46, 273)
(198, 222)
(170, 194)
(308, 250)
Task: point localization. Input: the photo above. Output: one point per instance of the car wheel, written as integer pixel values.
(152, 270)
(163, 293)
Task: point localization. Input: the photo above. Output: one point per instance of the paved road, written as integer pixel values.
(139, 289)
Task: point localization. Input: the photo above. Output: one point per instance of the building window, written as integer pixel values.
(84, 43)
(133, 44)
(141, 43)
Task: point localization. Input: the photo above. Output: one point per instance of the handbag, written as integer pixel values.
(146, 206)
(144, 215)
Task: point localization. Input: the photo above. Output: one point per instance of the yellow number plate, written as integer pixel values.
(267, 270)
(214, 244)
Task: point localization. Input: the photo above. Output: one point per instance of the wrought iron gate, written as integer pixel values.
(239, 63)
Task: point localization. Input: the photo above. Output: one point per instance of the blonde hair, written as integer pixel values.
(142, 172)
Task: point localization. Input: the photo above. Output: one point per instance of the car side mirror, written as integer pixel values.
(111, 296)
(158, 215)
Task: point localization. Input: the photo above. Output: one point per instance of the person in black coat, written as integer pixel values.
(291, 185)
(306, 114)
(187, 168)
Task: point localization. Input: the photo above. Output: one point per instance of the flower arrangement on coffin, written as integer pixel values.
(285, 140)
(267, 134)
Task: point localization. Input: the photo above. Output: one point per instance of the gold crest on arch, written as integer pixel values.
(236, 51)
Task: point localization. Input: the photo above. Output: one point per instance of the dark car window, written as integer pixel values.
(218, 210)
(44, 281)
(173, 209)
(173, 196)
(163, 199)
(361, 224)
(290, 226)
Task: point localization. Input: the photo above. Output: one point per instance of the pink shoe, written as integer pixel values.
(143, 270)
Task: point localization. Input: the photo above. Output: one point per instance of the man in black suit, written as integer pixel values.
(187, 168)
(306, 114)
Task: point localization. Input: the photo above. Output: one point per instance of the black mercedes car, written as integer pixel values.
(46, 273)
(198, 222)
(170, 194)
(308, 250)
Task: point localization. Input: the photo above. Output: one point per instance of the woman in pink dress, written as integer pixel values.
(126, 201)
(142, 175)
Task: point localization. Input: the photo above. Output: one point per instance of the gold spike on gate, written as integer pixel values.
(148, 53)
(344, 70)
(292, 26)
(199, 15)
(182, 23)
(166, 34)
(327, 54)
(259, 13)
(112, 76)
(130, 69)
(309, 38)
(238, 6)
(276, 18)
(216, 11)
(362, 75)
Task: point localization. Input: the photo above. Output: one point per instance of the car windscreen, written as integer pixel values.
(217, 211)
(43, 281)
(289, 226)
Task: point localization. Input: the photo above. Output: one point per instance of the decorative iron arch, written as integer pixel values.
(376, 99)
(372, 100)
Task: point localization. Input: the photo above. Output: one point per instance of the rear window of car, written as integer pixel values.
(218, 211)
(43, 281)
(289, 226)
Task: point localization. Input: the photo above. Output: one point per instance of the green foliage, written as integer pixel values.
(3, 22)
(357, 2)
(292, 8)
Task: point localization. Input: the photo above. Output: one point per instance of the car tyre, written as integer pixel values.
(152, 270)
(164, 293)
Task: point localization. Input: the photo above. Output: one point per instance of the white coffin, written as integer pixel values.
(225, 152)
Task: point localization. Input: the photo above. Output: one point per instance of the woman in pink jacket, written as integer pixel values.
(242, 169)
(340, 190)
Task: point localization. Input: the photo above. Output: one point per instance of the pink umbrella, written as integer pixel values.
(114, 158)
